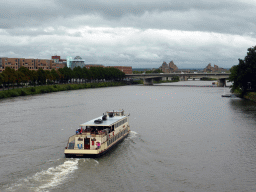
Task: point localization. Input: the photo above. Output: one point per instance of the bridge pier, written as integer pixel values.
(222, 82)
(183, 78)
(148, 81)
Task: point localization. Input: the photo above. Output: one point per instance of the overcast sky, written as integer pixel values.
(137, 33)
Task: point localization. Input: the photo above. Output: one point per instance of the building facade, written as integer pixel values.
(58, 62)
(54, 63)
(126, 69)
(77, 61)
(31, 64)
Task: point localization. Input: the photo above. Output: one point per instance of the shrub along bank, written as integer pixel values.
(250, 96)
(54, 88)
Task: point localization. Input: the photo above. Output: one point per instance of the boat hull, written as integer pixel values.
(84, 155)
(227, 95)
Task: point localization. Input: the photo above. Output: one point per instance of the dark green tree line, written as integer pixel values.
(243, 75)
(23, 76)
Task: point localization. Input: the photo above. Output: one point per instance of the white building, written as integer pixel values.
(77, 61)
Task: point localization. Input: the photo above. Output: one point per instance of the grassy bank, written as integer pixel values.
(54, 88)
(250, 96)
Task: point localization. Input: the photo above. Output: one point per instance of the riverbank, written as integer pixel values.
(54, 88)
(250, 96)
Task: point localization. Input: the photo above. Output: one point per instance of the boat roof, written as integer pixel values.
(114, 111)
(108, 122)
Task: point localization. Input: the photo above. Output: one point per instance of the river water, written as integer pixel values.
(185, 137)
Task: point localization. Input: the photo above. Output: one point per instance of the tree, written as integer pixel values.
(243, 75)
(1, 79)
(33, 77)
(23, 75)
(55, 75)
(9, 76)
(20, 78)
(41, 76)
(48, 76)
(66, 74)
(86, 73)
(78, 73)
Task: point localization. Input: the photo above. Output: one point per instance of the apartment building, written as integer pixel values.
(47, 64)
(31, 64)
(58, 62)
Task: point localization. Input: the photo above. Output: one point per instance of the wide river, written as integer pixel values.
(184, 137)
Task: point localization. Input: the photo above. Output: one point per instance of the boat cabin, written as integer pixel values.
(92, 134)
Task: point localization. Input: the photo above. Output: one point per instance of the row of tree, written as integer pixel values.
(243, 75)
(148, 71)
(24, 76)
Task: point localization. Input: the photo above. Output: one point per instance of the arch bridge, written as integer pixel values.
(148, 78)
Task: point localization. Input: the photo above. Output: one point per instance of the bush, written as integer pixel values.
(23, 93)
(3, 94)
(33, 89)
(13, 93)
(44, 90)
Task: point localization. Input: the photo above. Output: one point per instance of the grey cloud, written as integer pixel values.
(24, 13)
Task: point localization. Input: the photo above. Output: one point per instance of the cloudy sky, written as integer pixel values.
(137, 33)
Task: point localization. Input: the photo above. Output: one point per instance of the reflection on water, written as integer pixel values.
(183, 138)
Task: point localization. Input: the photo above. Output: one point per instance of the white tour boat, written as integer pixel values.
(96, 137)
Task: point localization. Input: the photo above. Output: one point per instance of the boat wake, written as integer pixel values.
(132, 134)
(46, 180)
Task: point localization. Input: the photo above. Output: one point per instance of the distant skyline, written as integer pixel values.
(141, 33)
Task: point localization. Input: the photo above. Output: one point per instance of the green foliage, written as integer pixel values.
(137, 81)
(3, 95)
(33, 89)
(208, 79)
(9, 76)
(13, 93)
(137, 72)
(243, 75)
(23, 92)
(251, 96)
(24, 76)
(41, 74)
(155, 71)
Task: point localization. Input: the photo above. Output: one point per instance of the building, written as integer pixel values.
(168, 68)
(215, 68)
(31, 64)
(77, 61)
(58, 62)
(54, 63)
(126, 69)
